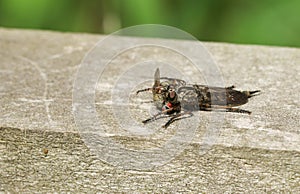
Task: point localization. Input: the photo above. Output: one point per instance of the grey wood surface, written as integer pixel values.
(42, 149)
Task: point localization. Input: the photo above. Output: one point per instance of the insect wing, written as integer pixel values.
(188, 97)
(156, 78)
(223, 96)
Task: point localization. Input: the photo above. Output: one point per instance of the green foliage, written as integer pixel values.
(270, 22)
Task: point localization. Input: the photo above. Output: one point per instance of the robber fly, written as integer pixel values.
(175, 98)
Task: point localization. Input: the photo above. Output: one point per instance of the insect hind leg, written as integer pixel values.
(227, 109)
(238, 110)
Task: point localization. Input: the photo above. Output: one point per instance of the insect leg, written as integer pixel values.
(230, 87)
(155, 117)
(238, 110)
(143, 90)
(228, 109)
(177, 117)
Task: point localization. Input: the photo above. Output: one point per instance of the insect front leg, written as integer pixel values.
(177, 117)
(155, 117)
(143, 90)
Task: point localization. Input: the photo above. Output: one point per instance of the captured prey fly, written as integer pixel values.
(177, 99)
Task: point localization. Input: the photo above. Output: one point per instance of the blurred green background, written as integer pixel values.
(267, 22)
